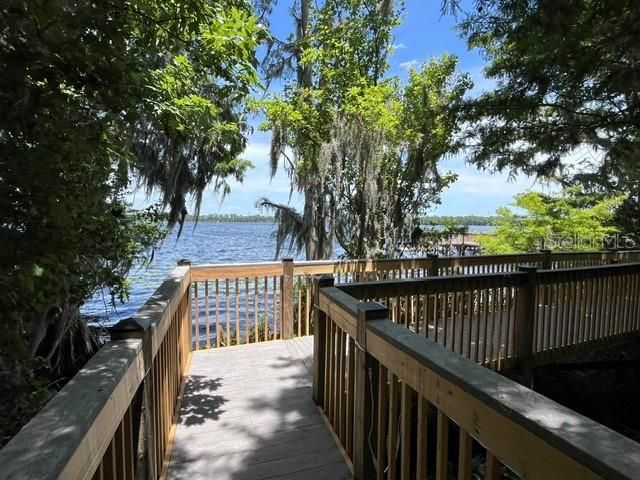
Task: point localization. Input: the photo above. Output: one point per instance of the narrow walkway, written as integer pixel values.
(247, 414)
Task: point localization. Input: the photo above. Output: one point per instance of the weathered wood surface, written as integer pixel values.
(247, 413)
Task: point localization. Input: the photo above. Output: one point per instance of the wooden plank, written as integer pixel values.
(222, 271)
(293, 439)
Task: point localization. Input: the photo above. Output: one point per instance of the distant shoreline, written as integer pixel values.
(466, 220)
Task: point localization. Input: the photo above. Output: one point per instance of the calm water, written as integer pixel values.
(209, 243)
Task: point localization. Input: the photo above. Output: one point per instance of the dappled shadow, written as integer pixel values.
(199, 404)
(270, 427)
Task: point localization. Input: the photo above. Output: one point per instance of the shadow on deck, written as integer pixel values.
(247, 413)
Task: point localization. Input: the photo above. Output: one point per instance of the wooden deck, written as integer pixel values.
(247, 413)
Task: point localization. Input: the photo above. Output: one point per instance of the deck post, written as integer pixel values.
(432, 269)
(366, 390)
(545, 264)
(524, 323)
(287, 298)
(615, 256)
(319, 338)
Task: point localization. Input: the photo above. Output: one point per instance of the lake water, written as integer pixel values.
(209, 242)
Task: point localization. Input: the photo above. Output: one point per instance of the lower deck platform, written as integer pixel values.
(247, 414)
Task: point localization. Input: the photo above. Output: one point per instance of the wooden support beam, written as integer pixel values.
(287, 298)
(319, 339)
(524, 323)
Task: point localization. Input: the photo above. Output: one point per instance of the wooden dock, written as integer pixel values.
(247, 413)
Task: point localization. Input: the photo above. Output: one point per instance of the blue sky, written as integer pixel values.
(424, 33)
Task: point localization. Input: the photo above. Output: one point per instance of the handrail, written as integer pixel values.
(483, 317)
(382, 400)
(91, 426)
(504, 409)
(253, 302)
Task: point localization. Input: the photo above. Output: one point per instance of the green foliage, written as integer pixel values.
(566, 102)
(566, 221)
(94, 97)
(364, 148)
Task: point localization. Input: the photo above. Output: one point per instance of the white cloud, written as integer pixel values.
(410, 64)
(398, 46)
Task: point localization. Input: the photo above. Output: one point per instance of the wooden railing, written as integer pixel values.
(247, 303)
(403, 406)
(529, 316)
(128, 390)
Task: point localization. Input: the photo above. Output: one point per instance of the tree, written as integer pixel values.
(95, 96)
(566, 103)
(566, 221)
(364, 151)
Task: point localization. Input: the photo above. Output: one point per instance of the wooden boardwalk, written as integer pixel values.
(247, 413)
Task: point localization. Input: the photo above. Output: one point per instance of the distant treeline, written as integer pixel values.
(431, 219)
(458, 220)
(232, 217)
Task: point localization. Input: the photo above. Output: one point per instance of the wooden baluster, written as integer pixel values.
(236, 305)
(340, 396)
(350, 396)
(256, 313)
(218, 322)
(464, 455)
(308, 305)
(422, 438)
(266, 309)
(277, 326)
(382, 421)
(405, 432)
(207, 319)
(470, 311)
(196, 326)
(392, 428)
(247, 323)
(300, 293)
(492, 467)
(227, 312)
(442, 447)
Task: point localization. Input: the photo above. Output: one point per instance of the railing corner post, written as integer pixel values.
(366, 390)
(524, 323)
(615, 256)
(287, 298)
(433, 269)
(319, 338)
